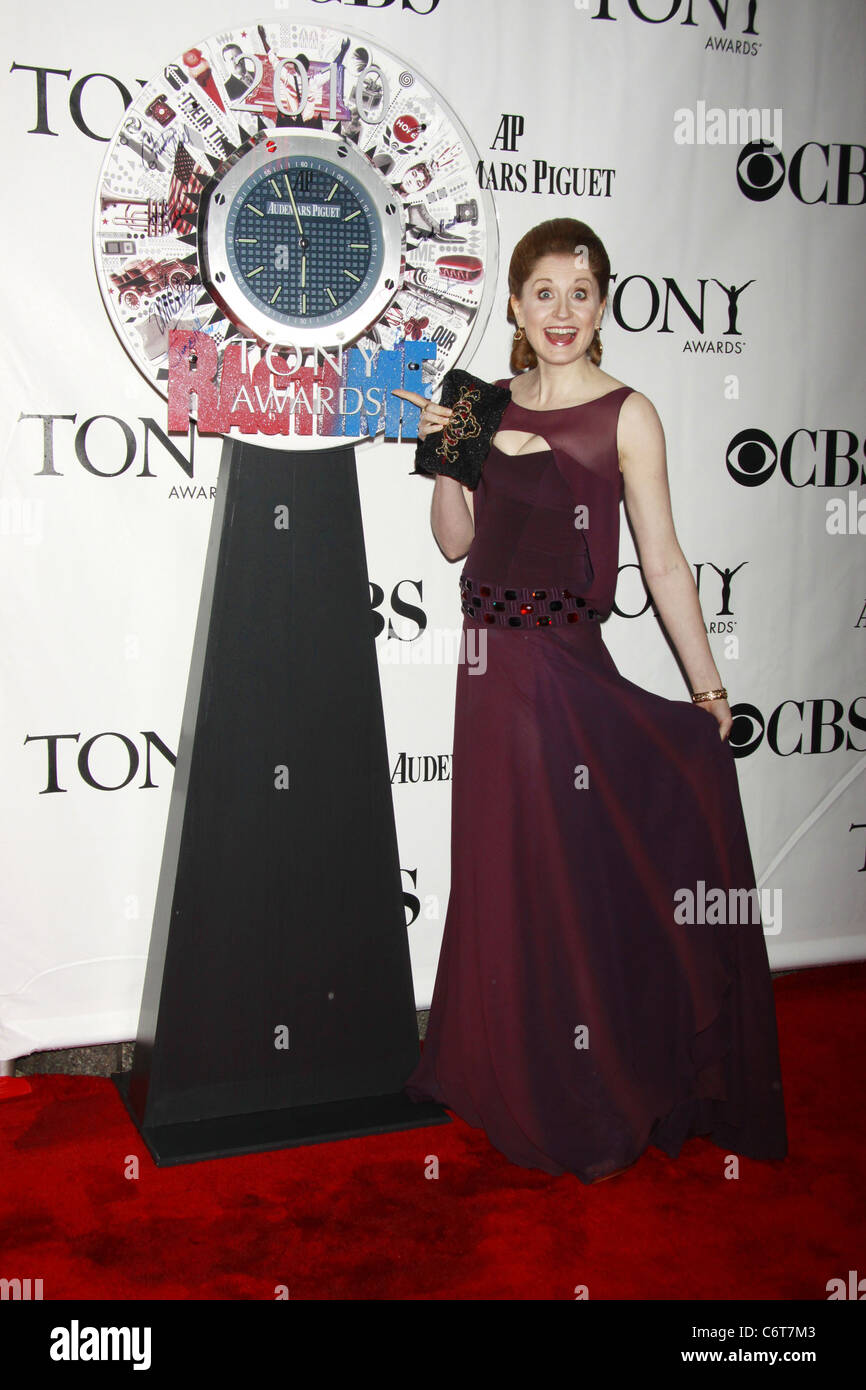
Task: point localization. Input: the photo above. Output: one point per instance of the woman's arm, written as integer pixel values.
(641, 443)
(451, 517)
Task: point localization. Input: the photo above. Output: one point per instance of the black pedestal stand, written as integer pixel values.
(278, 1006)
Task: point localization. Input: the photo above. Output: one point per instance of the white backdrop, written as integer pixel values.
(104, 532)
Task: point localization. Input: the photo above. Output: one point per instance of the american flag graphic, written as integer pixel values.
(186, 184)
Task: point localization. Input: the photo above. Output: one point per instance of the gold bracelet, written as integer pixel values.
(720, 694)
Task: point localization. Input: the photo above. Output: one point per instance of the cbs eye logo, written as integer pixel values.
(751, 458)
(833, 174)
(747, 730)
(760, 170)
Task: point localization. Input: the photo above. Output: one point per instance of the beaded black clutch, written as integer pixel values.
(460, 448)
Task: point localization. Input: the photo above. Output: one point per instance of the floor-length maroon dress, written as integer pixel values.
(574, 1017)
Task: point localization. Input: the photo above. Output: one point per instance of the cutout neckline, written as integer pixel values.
(521, 453)
(555, 410)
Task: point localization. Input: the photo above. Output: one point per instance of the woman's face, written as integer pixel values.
(560, 308)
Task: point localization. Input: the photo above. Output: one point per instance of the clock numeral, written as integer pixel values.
(243, 103)
(283, 85)
(372, 98)
(371, 93)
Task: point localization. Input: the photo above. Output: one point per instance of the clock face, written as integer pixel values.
(288, 225)
(303, 234)
(303, 219)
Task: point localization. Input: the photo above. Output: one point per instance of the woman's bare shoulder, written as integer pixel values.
(638, 428)
(638, 411)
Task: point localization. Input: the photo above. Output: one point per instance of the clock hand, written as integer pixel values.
(295, 208)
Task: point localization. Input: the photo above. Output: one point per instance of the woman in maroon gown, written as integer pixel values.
(576, 1016)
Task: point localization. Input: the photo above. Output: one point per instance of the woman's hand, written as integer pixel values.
(433, 416)
(721, 711)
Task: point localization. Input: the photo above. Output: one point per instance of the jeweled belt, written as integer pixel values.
(508, 606)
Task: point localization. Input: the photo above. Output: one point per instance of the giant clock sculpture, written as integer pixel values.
(288, 226)
(299, 199)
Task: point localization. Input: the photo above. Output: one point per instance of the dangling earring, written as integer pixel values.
(519, 334)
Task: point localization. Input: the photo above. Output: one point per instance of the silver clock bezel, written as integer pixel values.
(219, 276)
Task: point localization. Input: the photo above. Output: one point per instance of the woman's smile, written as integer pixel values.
(560, 337)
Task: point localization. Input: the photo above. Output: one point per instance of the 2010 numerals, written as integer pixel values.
(290, 89)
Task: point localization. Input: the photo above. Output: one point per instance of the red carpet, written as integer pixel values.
(359, 1220)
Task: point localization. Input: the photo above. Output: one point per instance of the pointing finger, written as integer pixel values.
(411, 396)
